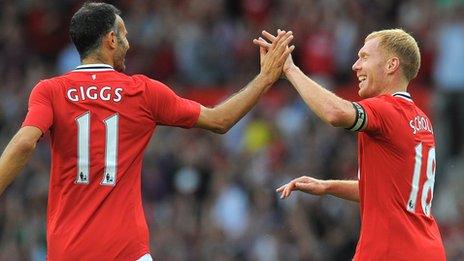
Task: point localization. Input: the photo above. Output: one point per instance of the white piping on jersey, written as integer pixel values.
(404, 95)
(96, 67)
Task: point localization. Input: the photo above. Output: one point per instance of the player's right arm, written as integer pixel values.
(38, 120)
(326, 105)
(17, 153)
(344, 189)
(223, 116)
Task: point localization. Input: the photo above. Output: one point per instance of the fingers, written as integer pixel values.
(285, 50)
(281, 188)
(284, 190)
(273, 53)
(288, 190)
(287, 40)
(269, 36)
(277, 39)
(281, 45)
(262, 43)
(303, 183)
(283, 39)
(262, 52)
(289, 50)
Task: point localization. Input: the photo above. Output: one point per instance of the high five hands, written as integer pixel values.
(265, 46)
(274, 55)
(276, 59)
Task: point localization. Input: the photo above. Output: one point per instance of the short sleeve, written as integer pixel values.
(40, 110)
(168, 108)
(378, 113)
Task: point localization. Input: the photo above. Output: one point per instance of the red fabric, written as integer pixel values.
(387, 160)
(93, 221)
(40, 110)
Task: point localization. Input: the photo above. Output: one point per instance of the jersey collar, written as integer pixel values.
(403, 95)
(96, 67)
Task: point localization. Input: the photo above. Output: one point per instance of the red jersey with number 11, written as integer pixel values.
(100, 122)
(396, 178)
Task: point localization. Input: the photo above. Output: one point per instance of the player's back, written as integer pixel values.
(100, 129)
(397, 172)
(100, 122)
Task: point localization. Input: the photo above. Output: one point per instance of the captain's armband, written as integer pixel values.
(360, 119)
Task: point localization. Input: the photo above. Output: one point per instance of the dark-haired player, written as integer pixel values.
(100, 121)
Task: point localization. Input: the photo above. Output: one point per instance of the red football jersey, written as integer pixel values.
(100, 123)
(396, 179)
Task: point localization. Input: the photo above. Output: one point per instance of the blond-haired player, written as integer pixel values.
(396, 150)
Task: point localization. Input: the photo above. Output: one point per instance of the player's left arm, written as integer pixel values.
(223, 116)
(17, 154)
(170, 109)
(344, 189)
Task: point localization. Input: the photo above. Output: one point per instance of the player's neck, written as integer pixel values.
(395, 85)
(96, 59)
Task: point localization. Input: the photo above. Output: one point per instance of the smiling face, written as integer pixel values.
(370, 69)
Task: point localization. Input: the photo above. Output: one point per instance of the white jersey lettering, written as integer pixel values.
(420, 123)
(106, 93)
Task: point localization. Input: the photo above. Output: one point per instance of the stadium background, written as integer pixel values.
(211, 197)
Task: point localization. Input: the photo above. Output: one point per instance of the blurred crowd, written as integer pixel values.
(212, 197)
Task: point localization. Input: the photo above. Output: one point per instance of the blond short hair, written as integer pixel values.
(400, 43)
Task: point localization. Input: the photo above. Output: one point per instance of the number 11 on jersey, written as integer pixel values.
(111, 149)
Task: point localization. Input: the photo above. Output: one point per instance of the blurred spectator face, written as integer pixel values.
(122, 47)
(370, 68)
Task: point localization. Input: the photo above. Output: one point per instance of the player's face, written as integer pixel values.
(123, 46)
(370, 69)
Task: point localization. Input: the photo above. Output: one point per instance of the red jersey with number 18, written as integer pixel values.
(396, 151)
(100, 122)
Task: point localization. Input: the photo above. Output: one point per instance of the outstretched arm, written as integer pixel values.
(325, 104)
(222, 117)
(344, 189)
(17, 153)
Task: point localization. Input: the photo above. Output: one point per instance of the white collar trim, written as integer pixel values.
(403, 95)
(96, 67)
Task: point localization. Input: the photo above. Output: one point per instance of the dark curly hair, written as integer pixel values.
(90, 23)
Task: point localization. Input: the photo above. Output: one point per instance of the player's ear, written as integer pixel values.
(110, 40)
(392, 65)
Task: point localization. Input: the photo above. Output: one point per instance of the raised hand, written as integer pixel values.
(265, 46)
(304, 184)
(274, 55)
